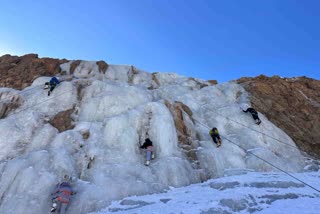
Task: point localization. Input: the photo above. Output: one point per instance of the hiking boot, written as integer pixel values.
(54, 207)
(147, 163)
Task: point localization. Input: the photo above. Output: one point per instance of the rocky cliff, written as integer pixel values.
(293, 104)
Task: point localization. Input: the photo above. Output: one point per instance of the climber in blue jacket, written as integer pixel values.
(52, 84)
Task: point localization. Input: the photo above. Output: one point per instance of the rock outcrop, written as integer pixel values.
(63, 120)
(74, 65)
(103, 66)
(19, 72)
(293, 104)
(179, 111)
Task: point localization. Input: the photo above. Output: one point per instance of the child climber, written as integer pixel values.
(214, 133)
(149, 150)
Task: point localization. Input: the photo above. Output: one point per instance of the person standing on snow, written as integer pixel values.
(254, 114)
(214, 133)
(52, 84)
(61, 195)
(149, 150)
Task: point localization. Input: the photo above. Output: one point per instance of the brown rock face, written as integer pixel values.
(103, 66)
(199, 83)
(184, 135)
(19, 72)
(63, 121)
(213, 82)
(293, 104)
(74, 65)
(131, 73)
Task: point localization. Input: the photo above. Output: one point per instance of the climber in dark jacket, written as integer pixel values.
(149, 150)
(61, 195)
(214, 133)
(52, 84)
(254, 114)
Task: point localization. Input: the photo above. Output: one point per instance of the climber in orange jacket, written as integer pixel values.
(61, 195)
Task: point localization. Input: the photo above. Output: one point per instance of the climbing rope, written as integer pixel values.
(93, 116)
(16, 112)
(52, 97)
(252, 129)
(274, 165)
(263, 159)
(19, 93)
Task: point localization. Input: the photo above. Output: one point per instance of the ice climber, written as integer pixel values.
(149, 150)
(214, 133)
(61, 196)
(52, 84)
(254, 114)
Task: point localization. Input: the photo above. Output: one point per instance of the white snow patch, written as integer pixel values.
(251, 192)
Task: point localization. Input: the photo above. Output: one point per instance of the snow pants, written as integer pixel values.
(256, 118)
(61, 207)
(215, 138)
(149, 154)
(52, 87)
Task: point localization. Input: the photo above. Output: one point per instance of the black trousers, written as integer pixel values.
(255, 116)
(52, 87)
(215, 138)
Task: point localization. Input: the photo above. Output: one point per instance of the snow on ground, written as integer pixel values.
(118, 110)
(262, 193)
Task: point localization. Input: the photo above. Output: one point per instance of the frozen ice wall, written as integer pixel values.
(113, 112)
(220, 107)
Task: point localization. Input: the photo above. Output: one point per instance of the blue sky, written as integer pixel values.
(211, 39)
